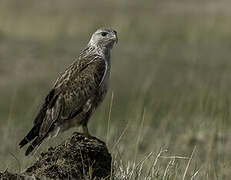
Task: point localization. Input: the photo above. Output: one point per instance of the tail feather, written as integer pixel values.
(30, 136)
(34, 144)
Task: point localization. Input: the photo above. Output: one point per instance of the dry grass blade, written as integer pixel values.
(109, 116)
(143, 160)
(139, 135)
(174, 157)
(151, 171)
(17, 160)
(195, 174)
(188, 164)
(167, 168)
(122, 134)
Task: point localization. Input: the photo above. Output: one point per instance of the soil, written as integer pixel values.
(78, 158)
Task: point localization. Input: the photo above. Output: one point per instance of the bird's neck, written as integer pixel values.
(105, 51)
(101, 51)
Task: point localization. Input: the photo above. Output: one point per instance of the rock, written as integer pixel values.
(7, 175)
(76, 158)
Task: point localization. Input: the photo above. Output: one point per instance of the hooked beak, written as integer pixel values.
(114, 38)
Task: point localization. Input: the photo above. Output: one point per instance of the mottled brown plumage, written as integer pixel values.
(77, 92)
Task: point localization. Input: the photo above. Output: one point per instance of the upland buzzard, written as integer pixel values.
(77, 92)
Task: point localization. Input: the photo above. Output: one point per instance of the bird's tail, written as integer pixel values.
(30, 136)
(34, 144)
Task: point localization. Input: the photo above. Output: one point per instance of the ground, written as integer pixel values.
(76, 158)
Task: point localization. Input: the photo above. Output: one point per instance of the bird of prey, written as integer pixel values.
(76, 93)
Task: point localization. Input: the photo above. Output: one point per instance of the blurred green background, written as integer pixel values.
(170, 81)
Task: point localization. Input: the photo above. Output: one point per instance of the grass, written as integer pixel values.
(170, 84)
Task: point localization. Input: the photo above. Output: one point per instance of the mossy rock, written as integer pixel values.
(77, 158)
(7, 175)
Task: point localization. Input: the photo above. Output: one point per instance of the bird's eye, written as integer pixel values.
(104, 33)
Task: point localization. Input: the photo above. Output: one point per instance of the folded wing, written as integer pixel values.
(71, 91)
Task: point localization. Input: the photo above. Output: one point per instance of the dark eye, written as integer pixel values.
(104, 33)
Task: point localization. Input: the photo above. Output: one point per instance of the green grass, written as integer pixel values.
(171, 81)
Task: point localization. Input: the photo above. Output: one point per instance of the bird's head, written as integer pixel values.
(104, 38)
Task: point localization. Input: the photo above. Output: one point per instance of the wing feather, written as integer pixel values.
(72, 90)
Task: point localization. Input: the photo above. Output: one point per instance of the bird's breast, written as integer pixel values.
(106, 78)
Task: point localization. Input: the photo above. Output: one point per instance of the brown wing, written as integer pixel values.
(72, 89)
